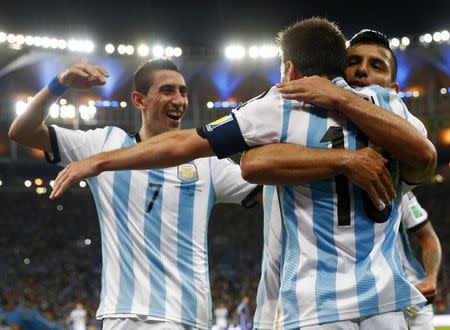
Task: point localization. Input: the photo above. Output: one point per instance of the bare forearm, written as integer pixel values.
(431, 256)
(164, 150)
(279, 164)
(399, 138)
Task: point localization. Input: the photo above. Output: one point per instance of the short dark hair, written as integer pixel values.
(315, 45)
(367, 36)
(142, 77)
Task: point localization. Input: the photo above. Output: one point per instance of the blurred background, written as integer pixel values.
(50, 250)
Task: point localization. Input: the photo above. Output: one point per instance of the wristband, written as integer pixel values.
(56, 88)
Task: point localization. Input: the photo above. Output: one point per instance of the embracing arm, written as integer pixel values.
(291, 164)
(164, 150)
(399, 138)
(431, 259)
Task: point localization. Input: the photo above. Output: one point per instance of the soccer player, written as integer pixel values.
(339, 264)
(77, 317)
(370, 60)
(153, 222)
(423, 275)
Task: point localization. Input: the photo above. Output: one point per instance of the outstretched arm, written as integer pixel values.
(164, 150)
(399, 138)
(28, 129)
(431, 259)
(290, 164)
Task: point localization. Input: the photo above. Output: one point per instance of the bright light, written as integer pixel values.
(253, 52)
(54, 43)
(27, 183)
(235, 52)
(395, 42)
(406, 41)
(2, 36)
(11, 38)
(122, 49)
(38, 181)
(123, 104)
(29, 40)
(20, 39)
(60, 207)
(158, 51)
(443, 91)
(268, 51)
(427, 38)
(416, 94)
(37, 41)
(143, 50)
(67, 111)
(26, 261)
(21, 106)
(109, 48)
(169, 51)
(62, 44)
(130, 50)
(444, 35)
(210, 105)
(437, 36)
(52, 183)
(87, 112)
(438, 178)
(54, 110)
(46, 42)
(63, 101)
(85, 46)
(1, 183)
(41, 190)
(87, 241)
(177, 52)
(82, 184)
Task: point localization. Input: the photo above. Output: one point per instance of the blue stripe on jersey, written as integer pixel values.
(383, 97)
(261, 293)
(211, 202)
(108, 133)
(290, 246)
(402, 291)
(323, 228)
(185, 253)
(152, 232)
(286, 194)
(364, 242)
(121, 190)
(409, 254)
(93, 184)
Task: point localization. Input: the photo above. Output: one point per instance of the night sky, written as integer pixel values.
(212, 23)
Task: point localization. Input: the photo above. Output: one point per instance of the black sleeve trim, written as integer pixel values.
(250, 200)
(55, 149)
(419, 226)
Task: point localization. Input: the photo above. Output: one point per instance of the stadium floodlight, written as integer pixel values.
(1, 183)
(11, 38)
(54, 110)
(20, 107)
(27, 183)
(26, 261)
(130, 50)
(169, 51)
(443, 91)
(415, 94)
(20, 39)
(122, 49)
(109, 48)
(87, 241)
(85, 46)
(63, 101)
(395, 42)
(158, 51)
(82, 184)
(53, 43)
(427, 38)
(46, 42)
(123, 104)
(177, 52)
(2, 36)
(437, 36)
(38, 181)
(445, 36)
(41, 190)
(405, 41)
(87, 112)
(268, 51)
(235, 52)
(37, 41)
(62, 44)
(253, 52)
(143, 50)
(210, 105)
(29, 40)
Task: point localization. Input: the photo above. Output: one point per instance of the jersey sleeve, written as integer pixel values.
(413, 215)
(257, 122)
(229, 185)
(71, 145)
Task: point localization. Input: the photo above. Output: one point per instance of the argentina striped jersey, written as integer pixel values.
(338, 264)
(153, 226)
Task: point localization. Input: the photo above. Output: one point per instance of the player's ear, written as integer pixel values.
(138, 100)
(292, 72)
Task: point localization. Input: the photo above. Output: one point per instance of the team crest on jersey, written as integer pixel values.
(187, 173)
(218, 122)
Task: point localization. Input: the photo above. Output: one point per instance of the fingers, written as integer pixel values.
(388, 184)
(374, 197)
(62, 183)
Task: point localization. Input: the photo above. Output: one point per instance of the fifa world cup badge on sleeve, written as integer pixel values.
(187, 173)
(219, 122)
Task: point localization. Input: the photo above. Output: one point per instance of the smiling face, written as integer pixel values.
(368, 64)
(165, 103)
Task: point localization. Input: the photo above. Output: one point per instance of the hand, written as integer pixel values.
(315, 90)
(72, 173)
(366, 168)
(428, 289)
(82, 76)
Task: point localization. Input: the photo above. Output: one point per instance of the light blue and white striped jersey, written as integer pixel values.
(413, 218)
(269, 283)
(338, 264)
(153, 225)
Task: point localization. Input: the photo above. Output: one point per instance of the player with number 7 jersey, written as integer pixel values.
(338, 262)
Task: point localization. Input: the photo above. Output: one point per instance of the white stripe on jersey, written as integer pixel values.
(154, 227)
